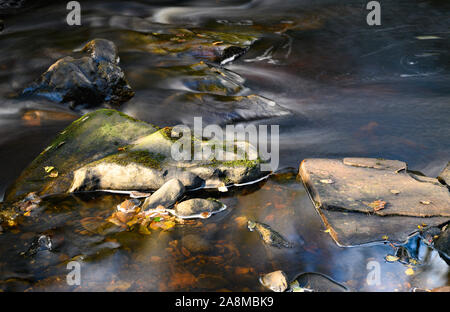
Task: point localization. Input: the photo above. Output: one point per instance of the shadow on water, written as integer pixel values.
(351, 90)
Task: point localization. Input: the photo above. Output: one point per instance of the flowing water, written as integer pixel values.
(351, 90)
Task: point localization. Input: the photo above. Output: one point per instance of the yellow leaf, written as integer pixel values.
(168, 225)
(391, 258)
(409, 271)
(27, 214)
(385, 237)
(48, 168)
(327, 231)
(144, 230)
(377, 205)
(53, 174)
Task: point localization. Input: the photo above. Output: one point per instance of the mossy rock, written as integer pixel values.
(107, 149)
(92, 137)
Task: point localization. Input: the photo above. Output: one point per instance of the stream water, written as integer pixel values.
(351, 90)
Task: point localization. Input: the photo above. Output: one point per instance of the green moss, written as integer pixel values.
(236, 163)
(145, 158)
(167, 133)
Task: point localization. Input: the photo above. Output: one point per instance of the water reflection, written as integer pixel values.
(351, 90)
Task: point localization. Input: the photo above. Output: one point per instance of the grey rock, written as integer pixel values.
(357, 204)
(166, 196)
(317, 282)
(89, 80)
(442, 243)
(102, 50)
(194, 207)
(195, 243)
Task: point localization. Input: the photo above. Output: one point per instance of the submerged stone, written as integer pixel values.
(223, 109)
(358, 205)
(268, 235)
(316, 282)
(108, 150)
(220, 47)
(89, 80)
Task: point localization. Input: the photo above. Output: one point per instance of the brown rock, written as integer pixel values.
(346, 205)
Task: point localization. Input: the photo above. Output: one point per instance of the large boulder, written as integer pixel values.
(90, 80)
(108, 150)
(363, 200)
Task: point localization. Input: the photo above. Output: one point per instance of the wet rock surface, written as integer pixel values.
(444, 176)
(363, 200)
(193, 208)
(87, 81)
(268, 235)
(442, 243)
(165, 196)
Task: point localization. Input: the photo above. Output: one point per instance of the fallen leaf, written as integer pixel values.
(377, 205)
(48, 168)
(327, 231)
(409, 271)
(205, 215)
(185, 252)
(391, 258)
(326, 181)
(155, 225)
(242, 270)
(241, 221)
(425, 202)
(53, 174)
(168, 225)
(119, 286)
(385, 237)
(395, 192)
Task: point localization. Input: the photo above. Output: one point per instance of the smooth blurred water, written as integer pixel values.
(353, 90)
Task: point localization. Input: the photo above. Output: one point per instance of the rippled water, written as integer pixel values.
(351, 89)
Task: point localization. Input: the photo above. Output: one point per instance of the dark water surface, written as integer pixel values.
(352, 90)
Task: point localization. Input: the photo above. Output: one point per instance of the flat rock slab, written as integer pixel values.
(444, 176)
(363, 200)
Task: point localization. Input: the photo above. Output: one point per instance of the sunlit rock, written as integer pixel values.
(108, 150)
(165, 196)
(88, 81)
